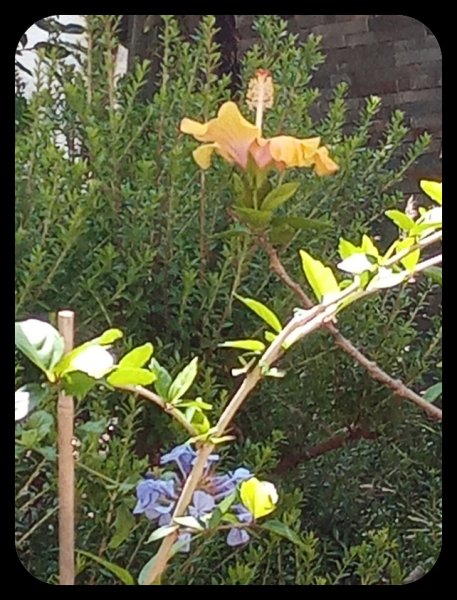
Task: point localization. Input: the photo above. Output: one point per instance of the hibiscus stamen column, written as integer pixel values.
(260, 95)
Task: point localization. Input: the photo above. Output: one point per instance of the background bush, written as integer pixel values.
(114, 220)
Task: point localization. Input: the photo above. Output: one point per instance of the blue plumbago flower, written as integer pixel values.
(223, 485)
(203, 504)
(156, 497)
(183, 455)
(238, 536)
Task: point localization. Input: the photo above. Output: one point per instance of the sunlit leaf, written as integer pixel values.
(262, 311)
(27, 398)
(183, 381)
(320, 278)
(130, 376)
(346, 248)
(401, 220)
(162, 532)
(433, 189)
(137, 357)
(251, 345)
(356, 263)
(163, 378)
(190, 522)
(41, 343)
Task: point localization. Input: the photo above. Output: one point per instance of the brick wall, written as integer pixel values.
(392, 56)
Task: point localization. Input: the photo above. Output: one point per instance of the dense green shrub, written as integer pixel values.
(115, 220)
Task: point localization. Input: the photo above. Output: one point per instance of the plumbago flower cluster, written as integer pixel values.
(211, 501)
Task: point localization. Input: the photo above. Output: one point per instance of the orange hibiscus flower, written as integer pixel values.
(235, 139)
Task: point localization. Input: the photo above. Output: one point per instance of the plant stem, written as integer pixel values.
(399, 388)
(168, 408)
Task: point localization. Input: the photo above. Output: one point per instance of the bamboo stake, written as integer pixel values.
(66, 467)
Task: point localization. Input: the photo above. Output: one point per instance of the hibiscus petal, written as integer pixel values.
(324, 165)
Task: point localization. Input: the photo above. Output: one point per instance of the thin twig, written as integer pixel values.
(398, 387)
(168, 408)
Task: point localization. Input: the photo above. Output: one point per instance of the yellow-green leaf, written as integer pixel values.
(137, 357)
(346, 248)
(433, 189)
(183, 381)
(401, 220)
(320, 278)
(130, 376)
(251, 345)
(262, 311)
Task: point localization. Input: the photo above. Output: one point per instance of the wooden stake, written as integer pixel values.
(66, 467)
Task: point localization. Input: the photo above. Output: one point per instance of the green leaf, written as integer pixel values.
(433, 189)
(368, 247)
(197, 403)
(251, 345)
(190, 522)
(280, 195)
(146, 569)
(242, 193)
(41, 343)
(123, 525)
(66, 365)
(275, 372)
(347, 249)
(89, 358)
(163, 378)
(284, 531)
(262, 311)
(411, 259)
(122, 574)
(435, 274)
(130, 376)
(269, 336)
(320, 278)
(42, 422)
(183, 381)
(301, 223)
(227, 502)
(108, 337)
(257, 219)
(401, 220)
(137, 357)
(281, 234)
(385, 278)
(198, 420)
(78, 384)
(434, 392)
(162, 532)
(27, 398)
